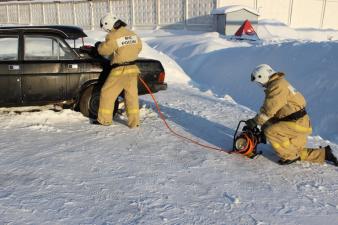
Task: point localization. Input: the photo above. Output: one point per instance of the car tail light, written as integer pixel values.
(161, 77)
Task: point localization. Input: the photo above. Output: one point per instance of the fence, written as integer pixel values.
(192, 14)
(189, 14)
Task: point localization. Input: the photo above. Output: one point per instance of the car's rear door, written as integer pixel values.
(47, 63)
(10, 69)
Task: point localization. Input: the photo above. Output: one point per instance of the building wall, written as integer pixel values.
(221, 24)
(330, 19)
(275, 9)
(296, 13)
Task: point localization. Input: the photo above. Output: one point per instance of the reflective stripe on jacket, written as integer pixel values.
(122, 45)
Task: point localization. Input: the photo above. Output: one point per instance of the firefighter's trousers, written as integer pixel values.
(121, 78)
(288, 139)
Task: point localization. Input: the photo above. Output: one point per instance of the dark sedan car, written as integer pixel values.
(38, 66)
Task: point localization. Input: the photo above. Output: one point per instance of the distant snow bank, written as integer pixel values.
(269, 29)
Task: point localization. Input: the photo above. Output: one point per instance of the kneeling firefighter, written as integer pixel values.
(284, 120)
(123, 47)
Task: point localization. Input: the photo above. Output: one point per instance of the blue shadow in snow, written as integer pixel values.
(209, 132)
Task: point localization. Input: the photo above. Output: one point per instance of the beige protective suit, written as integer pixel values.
(122, 46)
(288, 138)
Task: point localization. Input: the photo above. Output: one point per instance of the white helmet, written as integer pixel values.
(107, 22)
(262, 73)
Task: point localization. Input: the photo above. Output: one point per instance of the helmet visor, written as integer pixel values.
(252, 77)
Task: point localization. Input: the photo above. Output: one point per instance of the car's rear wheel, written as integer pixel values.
(90, 102)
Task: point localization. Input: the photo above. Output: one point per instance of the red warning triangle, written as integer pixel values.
(246, 30)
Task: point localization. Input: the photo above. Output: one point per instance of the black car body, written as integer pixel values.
(38, 66)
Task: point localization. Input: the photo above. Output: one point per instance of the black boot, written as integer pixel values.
(287, 161)
(95, 122)
(329, 156)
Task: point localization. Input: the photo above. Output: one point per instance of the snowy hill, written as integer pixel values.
(57, 168)
(224, 67)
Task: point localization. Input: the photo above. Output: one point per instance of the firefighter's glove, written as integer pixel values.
(97, 44)
(251, 123)
(262, 138)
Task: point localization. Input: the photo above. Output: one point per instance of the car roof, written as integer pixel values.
(67, 32)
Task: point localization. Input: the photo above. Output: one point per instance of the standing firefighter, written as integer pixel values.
(284, 120)
(123, 46)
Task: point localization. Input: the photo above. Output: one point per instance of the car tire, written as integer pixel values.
(90, 101)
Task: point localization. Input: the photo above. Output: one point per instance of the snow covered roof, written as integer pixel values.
(233, 8)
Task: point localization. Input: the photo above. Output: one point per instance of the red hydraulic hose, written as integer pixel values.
(171, 130)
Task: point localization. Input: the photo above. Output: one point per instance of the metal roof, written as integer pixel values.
(233, 8)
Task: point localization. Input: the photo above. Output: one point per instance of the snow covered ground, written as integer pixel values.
(57, 168)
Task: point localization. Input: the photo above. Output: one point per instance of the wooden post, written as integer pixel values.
(43, 14)
(74, 14)
(132, 14)
(290, 13)
(186, 13)
(58, 13)
(30, 14)
(7, 13)
(323, 14)
(158, 13)
(91, 15)
(18, 10)
(108, 6)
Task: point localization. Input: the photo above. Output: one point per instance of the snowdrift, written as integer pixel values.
(224, 66)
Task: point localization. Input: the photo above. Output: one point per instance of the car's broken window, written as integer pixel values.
(45, 48)
(9, 48)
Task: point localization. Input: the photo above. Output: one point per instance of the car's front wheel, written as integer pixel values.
(90, 102)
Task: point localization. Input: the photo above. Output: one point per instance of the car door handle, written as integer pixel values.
(13, 67)
(73, 66)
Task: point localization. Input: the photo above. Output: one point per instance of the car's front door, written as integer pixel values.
(10, 69)
(47, 60)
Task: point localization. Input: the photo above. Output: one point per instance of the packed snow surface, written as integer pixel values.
(57, 168)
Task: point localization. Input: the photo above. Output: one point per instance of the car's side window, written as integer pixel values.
(45, 48)
(9, 48)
